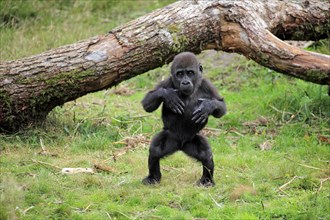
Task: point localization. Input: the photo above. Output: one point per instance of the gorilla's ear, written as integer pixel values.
(201, 68)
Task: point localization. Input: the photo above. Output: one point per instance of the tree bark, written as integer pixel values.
(33, 86)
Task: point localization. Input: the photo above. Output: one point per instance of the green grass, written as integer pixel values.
(263, 106)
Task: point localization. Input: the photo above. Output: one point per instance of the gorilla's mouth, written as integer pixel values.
(186, 90)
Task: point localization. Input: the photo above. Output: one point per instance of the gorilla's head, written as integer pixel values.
(186, 72)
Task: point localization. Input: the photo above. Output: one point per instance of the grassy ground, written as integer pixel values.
(271, 150)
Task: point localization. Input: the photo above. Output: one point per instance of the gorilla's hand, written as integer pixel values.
(172, 100)
(205, 108)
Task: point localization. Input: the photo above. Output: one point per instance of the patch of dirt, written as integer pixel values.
(219, 58)
(122, 90)
(261, 121)
(240, 190)
(138, 141)
(210, 132)
(267, 145)
(259, 126)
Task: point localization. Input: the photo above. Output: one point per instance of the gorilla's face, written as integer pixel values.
(186, 73)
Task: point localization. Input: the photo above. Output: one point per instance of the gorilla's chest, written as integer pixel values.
(190, 106)
(182, 124)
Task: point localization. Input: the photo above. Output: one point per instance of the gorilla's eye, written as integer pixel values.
(190, 73)
(179, 73)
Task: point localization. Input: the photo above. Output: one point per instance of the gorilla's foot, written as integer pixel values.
(205, 182)
(150, 180)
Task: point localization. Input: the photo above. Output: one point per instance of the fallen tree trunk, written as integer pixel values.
(33, 86)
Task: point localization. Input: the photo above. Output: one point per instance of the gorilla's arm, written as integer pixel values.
(212, 104)
(164, 92)
(220, 108)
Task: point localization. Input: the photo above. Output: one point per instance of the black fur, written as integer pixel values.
(188, 99)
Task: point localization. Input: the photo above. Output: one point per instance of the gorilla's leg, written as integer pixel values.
(199, 149)
(161, 145)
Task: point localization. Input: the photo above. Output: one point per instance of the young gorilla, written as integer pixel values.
(188, 99)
